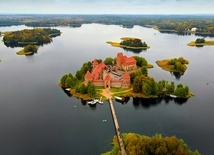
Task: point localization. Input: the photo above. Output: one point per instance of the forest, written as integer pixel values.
(36, 36)
(136, 144)
(181, 24)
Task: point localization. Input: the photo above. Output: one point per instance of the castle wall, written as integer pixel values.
(98, 82)
(116, 83)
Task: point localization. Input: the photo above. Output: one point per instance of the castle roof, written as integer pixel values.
(126, 75)
(130, 60)
(107, 77)
(88, 75)
(95, 62)
(102, 65)
(120, 54)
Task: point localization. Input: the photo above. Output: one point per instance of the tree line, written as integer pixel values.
(178, 64)
(148, 86)
(76, 82)
(37, 36)
(176, 23)
(133, 43)
(136, 144)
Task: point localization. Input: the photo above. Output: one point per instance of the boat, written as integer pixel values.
(68, 89)
(95, 101)
(173, 96)
(119, 98)
(91, 102)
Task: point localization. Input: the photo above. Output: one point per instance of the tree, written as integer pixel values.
(83, 89)
(68, 82)
(200, 40)
(91, 90)
(137, 85)
(147, 89)
(136, 144)
(144, 70)
(30, 48)
(109, 61)
(140, 61)
(64, 77)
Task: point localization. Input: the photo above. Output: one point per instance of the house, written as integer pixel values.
(102, 76)
(194, 29)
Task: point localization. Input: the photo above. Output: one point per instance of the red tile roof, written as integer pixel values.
(95, 62)
(102, 65)
(88, 75)
(120, 54)
(126, 75)
(107, 78)
(130, 60)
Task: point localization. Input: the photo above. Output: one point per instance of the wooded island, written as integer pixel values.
(174, 65)
(130, 43)
(200, 42)
(124, 76)
(36, 36)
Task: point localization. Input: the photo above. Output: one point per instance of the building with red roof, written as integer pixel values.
(125, 63)
(102, 75)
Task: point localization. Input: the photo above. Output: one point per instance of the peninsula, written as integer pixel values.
(200, 42)
(123, 76)
(130, 43)
(174, 65)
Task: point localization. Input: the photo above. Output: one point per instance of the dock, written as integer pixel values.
(116, 124)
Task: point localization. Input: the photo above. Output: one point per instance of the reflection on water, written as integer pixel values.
(148, 103)
(133, 50)
(41, 116)
(177, 75)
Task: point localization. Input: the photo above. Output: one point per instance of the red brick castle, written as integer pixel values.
(102, 75)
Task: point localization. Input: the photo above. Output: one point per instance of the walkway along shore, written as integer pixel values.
(116, 124)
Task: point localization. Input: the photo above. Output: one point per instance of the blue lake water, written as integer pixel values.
(37, 117)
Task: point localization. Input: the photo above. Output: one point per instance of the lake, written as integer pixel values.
(37, 117)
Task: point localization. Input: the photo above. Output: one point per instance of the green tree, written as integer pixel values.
(137, 85)
(144, 70)
(83, 89)
(63, 79)
(68, 82)
(147, 89)
(30, 48)
(140, 61)
(91, 90)
(109, 61)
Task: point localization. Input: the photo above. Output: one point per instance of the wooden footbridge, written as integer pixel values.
(116, 124)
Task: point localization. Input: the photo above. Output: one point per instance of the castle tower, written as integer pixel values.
(94, 63)
(119, 60)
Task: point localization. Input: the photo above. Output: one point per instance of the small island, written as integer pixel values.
(200, 42)
(28, 50)
(122, 76)
(174, 65)
(30, 39)
(140, 144)
(130, 43)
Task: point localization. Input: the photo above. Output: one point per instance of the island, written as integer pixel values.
(122, 76)
(30, 39)
(28, 50)
(200, 42)
(178, 65)
(137, 144)
(129, 43)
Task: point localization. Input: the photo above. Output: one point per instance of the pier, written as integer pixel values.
(116, 124)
